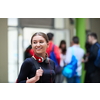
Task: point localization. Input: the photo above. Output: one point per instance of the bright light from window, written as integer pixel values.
(12, 21)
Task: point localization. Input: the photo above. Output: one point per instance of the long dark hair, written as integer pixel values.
(63, 49)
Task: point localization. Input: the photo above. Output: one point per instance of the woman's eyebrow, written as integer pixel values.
(38, 40)
(34, 40)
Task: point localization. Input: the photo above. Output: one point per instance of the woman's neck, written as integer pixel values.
(42, 55)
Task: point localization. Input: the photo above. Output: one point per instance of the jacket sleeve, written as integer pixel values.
(93, 53)
(57, 53)
(24, 72)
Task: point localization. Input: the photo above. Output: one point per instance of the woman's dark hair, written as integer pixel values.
(60, 46)
(50, 36)
(75, 39)
(40, 34)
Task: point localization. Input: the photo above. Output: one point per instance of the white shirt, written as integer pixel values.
(78, 53)
(62, 61)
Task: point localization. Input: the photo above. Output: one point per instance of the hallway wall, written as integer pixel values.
(3, 51)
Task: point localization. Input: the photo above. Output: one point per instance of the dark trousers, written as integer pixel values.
(87, 78)
(93, 77)
(59, 78)
(75, 79)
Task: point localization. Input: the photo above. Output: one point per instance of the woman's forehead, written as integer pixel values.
(37, 37)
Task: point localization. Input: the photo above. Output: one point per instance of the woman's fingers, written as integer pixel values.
(39, 72)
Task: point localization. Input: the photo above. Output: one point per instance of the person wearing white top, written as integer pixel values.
(78, 53)
(63, 50)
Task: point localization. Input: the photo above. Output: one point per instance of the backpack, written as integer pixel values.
(97, 61)
(69, 70)
(53, 57)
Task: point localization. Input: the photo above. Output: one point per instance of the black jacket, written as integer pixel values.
(28, 69)
(92, 58)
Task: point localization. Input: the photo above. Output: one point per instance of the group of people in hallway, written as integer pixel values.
(52, 59)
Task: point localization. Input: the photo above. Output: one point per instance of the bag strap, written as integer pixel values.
(37, 65)
(72, 51)
(98, 45)
(53, 47)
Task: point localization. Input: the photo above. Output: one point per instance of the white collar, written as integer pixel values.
(76, 46)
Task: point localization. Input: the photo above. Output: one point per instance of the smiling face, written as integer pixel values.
(39, 45)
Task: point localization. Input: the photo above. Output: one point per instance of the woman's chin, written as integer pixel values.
(39, 52)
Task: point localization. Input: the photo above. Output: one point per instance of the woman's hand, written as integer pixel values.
(39, 73)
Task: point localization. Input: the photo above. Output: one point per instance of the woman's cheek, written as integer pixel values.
(46, 47)
(33, 47)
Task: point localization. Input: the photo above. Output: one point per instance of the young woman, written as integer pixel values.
(39, 68)
(62, 47)
(63, 50)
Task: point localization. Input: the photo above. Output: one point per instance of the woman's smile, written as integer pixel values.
(39, 45)
(38, 48)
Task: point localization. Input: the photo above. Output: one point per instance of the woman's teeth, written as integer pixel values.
(38, 48)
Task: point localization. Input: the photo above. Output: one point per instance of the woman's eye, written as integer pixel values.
(41, 41)
(34, 42)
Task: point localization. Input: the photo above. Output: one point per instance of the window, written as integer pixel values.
(12, 21)
(12, 54)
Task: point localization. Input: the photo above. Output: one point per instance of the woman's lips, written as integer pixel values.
(38, 49)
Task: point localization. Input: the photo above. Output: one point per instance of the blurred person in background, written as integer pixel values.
(94, 58)
(28, 52)
(78, 53)
(87, 64)
(54, 54)
(63, 50)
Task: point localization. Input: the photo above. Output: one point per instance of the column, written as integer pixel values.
(80, 32)
(3, 51)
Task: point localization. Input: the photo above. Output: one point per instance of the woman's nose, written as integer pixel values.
(38, 44)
